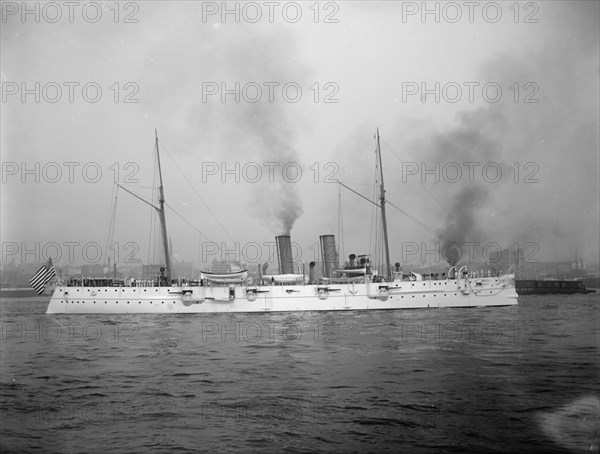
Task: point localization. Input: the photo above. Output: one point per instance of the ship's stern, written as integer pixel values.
(56, 306)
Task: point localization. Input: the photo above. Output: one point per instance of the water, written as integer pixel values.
(512, 379)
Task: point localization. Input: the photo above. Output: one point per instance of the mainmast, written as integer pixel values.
(161, 216)
(388, 266)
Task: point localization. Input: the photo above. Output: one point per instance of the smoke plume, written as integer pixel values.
(260, 133)
(472, 141)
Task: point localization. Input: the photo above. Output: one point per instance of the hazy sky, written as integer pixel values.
(373, 58)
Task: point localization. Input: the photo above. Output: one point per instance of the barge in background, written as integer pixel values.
(534, 287)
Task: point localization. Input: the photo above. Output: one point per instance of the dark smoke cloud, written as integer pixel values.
(471, 141)
(460, 224)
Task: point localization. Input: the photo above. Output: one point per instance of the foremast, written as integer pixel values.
(388, 266)
(161, 215)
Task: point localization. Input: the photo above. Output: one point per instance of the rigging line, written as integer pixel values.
(110, 226)
(196, 192)
(358, 193)
(419, 222)
(190, 224)
(340, 224)
(151, 229)
(113, 220)
(140, 186)
(422, 184)
(374, 234)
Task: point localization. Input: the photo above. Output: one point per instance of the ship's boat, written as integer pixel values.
(235, 276)
(282, 278)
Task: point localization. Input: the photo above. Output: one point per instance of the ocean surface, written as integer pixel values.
(511, 379)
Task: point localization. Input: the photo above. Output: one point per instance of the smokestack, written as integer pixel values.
(311, 273)
(284, 254)
(330, 256)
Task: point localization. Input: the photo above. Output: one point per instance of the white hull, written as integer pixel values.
(284, 298)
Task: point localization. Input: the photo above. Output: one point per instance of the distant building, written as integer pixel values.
(179, 269)
(9, 274)
(183, 269)
(95, 270)
(151, 271)
(508, 260)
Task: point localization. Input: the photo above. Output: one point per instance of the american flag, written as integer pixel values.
(42, 277)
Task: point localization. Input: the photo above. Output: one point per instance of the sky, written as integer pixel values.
(488, 123)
